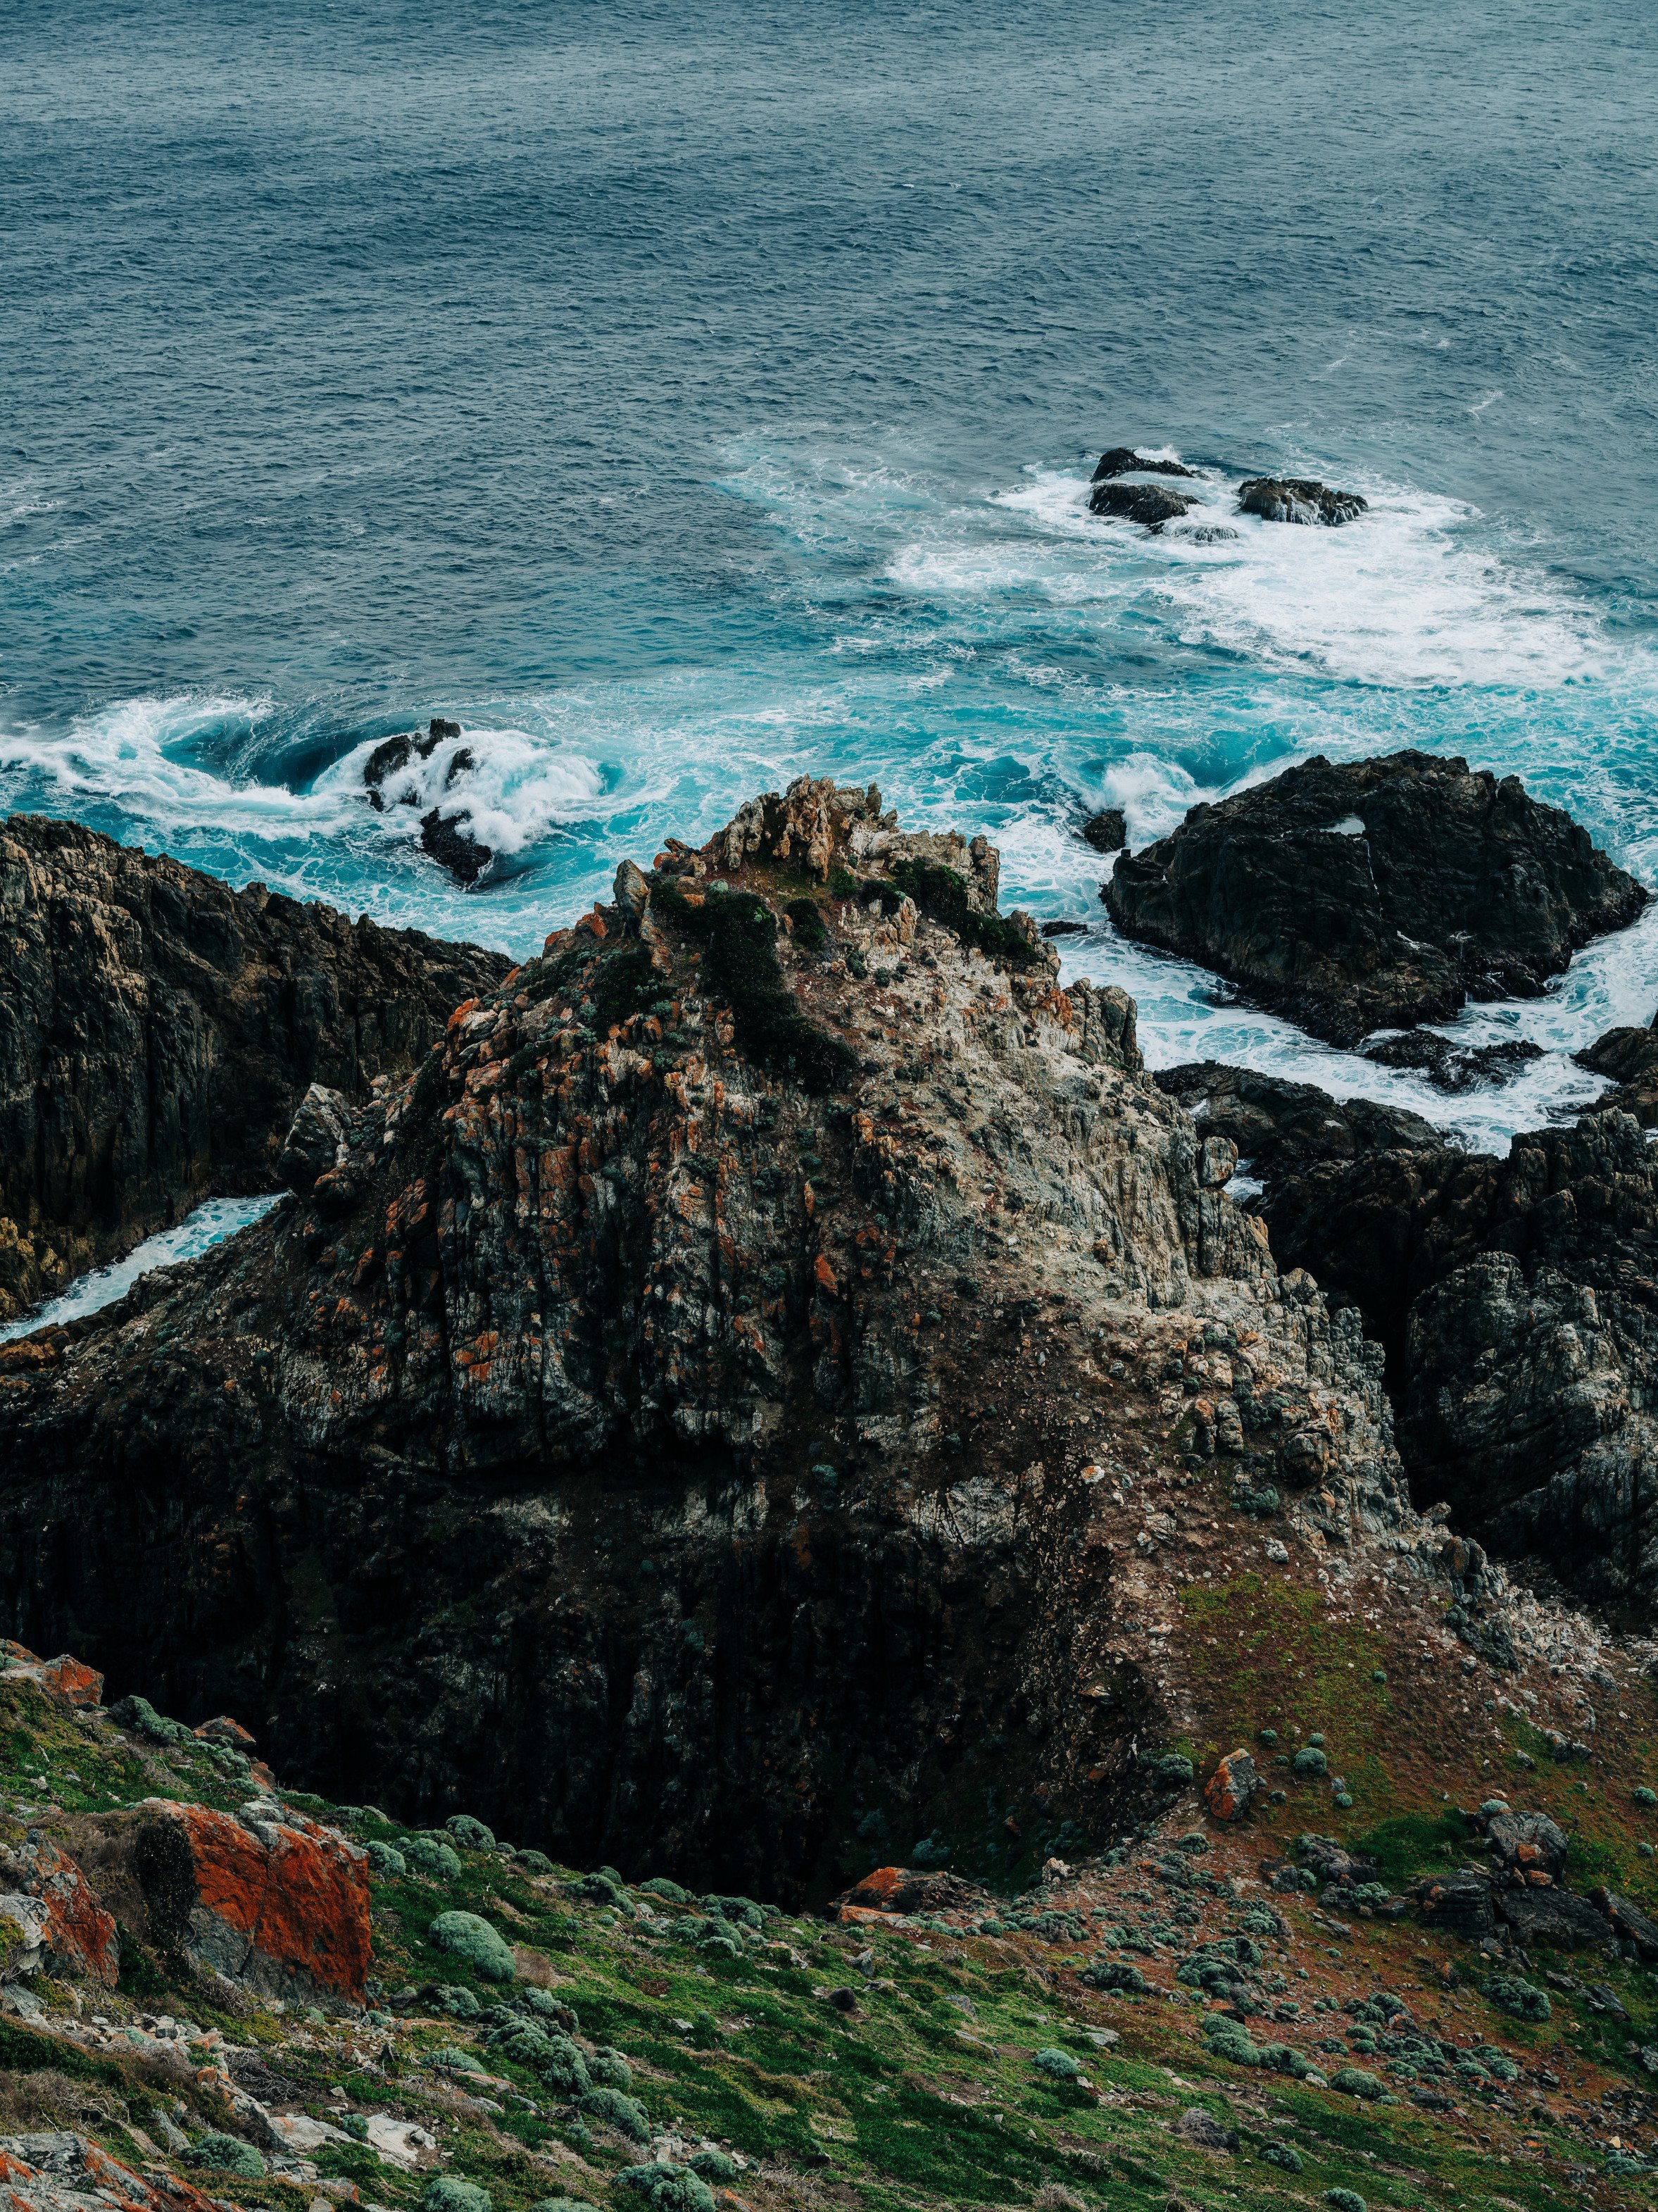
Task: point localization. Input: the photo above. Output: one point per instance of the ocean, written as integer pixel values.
(683, 399)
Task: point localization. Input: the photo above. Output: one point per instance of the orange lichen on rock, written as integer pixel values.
(1229, 1790)
(281, 1902)
(58, 1912)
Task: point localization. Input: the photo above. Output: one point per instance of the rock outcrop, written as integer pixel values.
(681, 1415)
(1376, 894)
(1124, 461)
(1107, 832)
(1630, 1057)
(157, 1030)
(1152, 505)
(1517, 1299)
(1299, 499)
(51, 1919)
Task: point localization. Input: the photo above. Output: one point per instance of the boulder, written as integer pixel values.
(1124, 461)
(1459, 1903)
(903, 1890)
(1231, 1786)
(1554, 1917)
(71, 1681)
(271, 1900)
(61, 1927)
(1299, 499)
(1151, 504)
(1106, 831)
(1374, 894)
(222, 1729)
(1527, 1843)
(316, 1139)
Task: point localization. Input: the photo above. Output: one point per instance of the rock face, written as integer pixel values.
(641, 1434)
(1124, 461)
(1630, 1057)
(1374, 894)
(1151, 504)
(1514, 1298)
(157, 1029)
(55, 1920)
(1299, 499)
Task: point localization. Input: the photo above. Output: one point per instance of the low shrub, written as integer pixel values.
(485, 1950)
(614, 2110)
(668, 2188)
(472, 1835)
(1519, 1999)
(227, 2154)
(447, 2192)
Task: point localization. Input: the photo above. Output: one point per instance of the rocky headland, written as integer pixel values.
(1374, 894)
(779, 1406)
(157, 1029)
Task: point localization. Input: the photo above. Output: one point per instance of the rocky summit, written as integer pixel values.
(781, 1416)
(1374, 894)
(157, 1030)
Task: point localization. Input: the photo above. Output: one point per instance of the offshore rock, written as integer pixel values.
(1124, 461)
(158, 1028)
(1151, 504)
(1455, 1068)
(1107, 832)
(1630, 1057)
(1377, 894)
(1299, 499)
(678, 1422)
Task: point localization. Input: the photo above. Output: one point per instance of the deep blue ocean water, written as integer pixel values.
(682, 398)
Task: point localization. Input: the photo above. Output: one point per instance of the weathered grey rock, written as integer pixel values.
(1552, 1917)
(1461, 1902)
(1454, 1067)
(317, 1140)
(1374, 894)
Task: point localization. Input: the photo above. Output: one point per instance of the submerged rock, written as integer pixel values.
(1151, 504)
(446, 829)
(1374, 894)
(157, 1029)
(1299, 499)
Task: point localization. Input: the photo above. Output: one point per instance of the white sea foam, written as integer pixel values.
(511, 789)
(208, 1225)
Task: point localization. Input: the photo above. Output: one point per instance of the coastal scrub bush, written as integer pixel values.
(623, 985)
(1171, 1768)
(137, 1712)
(476, 1942)
(1059, 2063)
(1228, 2038)
(563, 2205)
(598, 1889)
(458, 2002)
(1344, 2200)
(669, 1892)
(1115, 1975)
(942, 894)
(1354, 2081)
(1310, 1759)
(432, 1855)
(535, 1862)
(714, 2166)
(1518, 1998)
(1281, 2154)
(1645, 1798)
(472, 1835)
(227, 2154)
(808, 920)
(668, 2188)
(447, 2192)
(388, 1859)
(456, 2060)
(610, 2067)
(740, 966)
(615, 2110)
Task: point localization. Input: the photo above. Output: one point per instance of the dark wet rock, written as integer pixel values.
(1124, 461)
(1630, 1057)
(1052, 929)
(1451, 1067)
(1299, 499)
(1285, 1129)
(1151, 504)
(1552, 1917)
(1106, 831)
(449, 841)
(1377, 894)
(158, 1030)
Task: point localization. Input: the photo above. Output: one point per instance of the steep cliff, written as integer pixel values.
(719, 1403)
(157, 1030)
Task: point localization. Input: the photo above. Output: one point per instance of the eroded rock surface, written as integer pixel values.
(1152, 505)
(681, 1415)
(157, 1029)
(1299, 499)
(1374, 894)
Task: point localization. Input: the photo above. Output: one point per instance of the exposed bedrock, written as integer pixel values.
(1374, 894)
(157, 1030)
(1517, 1299)
(678, 1424)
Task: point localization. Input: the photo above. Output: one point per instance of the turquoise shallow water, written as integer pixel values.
(685, 399)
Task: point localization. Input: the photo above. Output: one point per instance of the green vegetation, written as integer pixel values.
(943, 894)
(740, 969)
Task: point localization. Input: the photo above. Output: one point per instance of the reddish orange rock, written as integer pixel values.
(1229, 1790)
(72, 1680)
(223, 1730)
(281, 1902)
(56, 1912)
